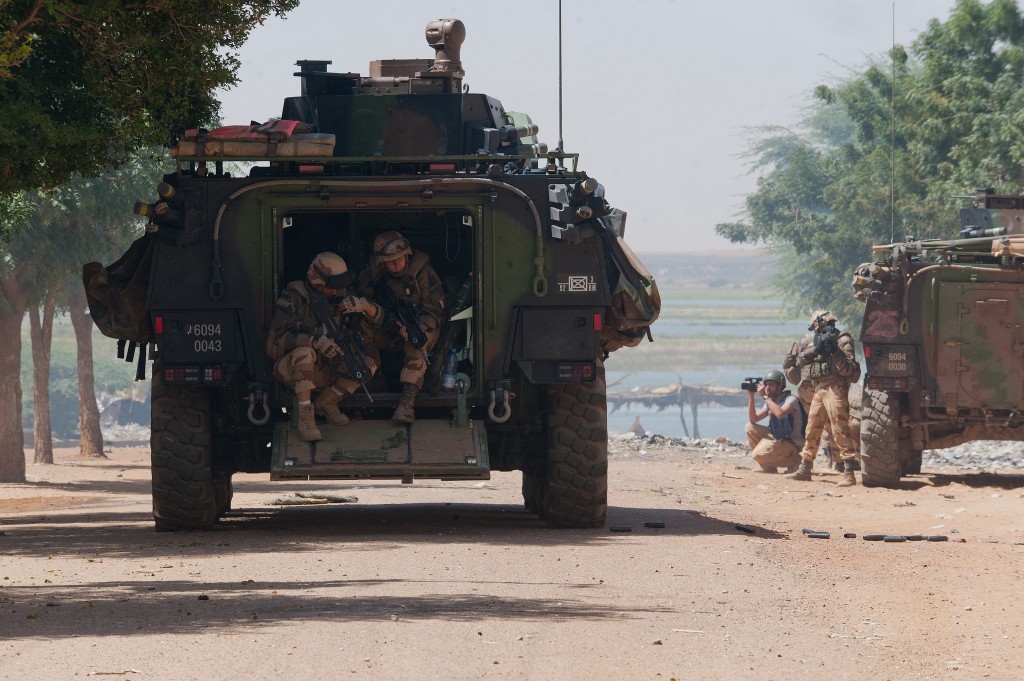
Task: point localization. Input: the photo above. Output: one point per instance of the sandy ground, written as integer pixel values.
(455, 581)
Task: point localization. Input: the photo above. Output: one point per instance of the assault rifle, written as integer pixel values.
(401, 311)
(349, 341)
(825, 341)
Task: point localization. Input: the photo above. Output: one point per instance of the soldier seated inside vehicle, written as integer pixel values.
(408, 279)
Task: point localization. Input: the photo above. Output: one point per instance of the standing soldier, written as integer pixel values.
(801, 376)
(403, 299)
(307, 357)
(832, 366)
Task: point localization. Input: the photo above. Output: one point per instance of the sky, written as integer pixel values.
(659, 98)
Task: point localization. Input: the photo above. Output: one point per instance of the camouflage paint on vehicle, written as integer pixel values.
(943, 336)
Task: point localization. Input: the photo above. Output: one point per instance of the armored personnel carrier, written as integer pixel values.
(540, 284)
(943, 336)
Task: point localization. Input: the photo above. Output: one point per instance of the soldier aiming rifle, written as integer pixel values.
(832, 366)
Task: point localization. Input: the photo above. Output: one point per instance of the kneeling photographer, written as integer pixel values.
(778, 443)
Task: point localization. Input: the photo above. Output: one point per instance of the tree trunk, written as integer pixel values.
(42, 340)
(12, 438)
(91, 439)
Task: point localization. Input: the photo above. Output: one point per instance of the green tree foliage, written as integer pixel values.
(866, 167)
(82, 220)
(83, 85)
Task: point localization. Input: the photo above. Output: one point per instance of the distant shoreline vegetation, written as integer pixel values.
(716, 312)
(678, 354)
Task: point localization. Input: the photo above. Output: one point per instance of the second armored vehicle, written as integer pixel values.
(943, 337)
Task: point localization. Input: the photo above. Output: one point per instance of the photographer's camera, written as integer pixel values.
(750, 384)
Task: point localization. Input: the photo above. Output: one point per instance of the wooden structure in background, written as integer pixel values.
(680, 395)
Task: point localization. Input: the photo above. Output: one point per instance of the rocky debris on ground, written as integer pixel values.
(312, 499)
(650, 444)
(977, 455)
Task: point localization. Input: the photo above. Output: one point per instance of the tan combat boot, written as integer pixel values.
(327, 406)
(848, 479)
(804, 472)
(307, 423)
(404, 413)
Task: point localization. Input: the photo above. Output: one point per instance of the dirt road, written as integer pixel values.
(455, 581)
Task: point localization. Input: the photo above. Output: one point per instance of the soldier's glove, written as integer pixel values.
(806, 357)
(353, 304)
(326, 346)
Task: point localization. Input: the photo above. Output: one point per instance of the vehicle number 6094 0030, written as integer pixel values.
(897, 361)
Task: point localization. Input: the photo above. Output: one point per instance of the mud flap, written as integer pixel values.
(381, 449)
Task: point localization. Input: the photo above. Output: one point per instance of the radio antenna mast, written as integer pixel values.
(892, 134)
(561, 146)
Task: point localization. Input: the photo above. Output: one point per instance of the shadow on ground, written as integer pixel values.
(158, 607)
(98, 533)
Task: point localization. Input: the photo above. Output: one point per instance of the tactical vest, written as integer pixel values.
(820, 367)
(790, 425)
(422, 288)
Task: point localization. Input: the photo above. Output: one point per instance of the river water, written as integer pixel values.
(695, 321)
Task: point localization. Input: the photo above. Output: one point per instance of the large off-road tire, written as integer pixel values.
(879, 439)
(534, 484)
(577, 482)
(223, 492)
(182, 458)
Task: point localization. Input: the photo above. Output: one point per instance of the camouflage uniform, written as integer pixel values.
(298, 365)
(306, 359)
(830, 375)
(396, 273)
(801, 376)
(419, 284)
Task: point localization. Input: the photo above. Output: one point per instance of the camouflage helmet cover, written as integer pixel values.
(328, 274)
(777, 376)
(389, 246)
(822, 316)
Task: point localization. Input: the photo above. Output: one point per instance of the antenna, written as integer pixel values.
(561, 146)
(892, 134)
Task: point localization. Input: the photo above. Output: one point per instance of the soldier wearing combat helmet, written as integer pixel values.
(832, 366)
(307, 358)
(398, 275)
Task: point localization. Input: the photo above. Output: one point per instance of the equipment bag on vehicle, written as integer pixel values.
(635, 300)
(117, 292)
